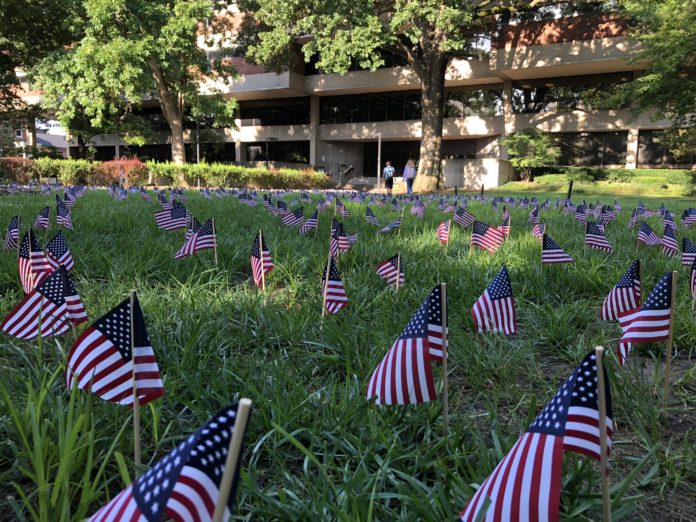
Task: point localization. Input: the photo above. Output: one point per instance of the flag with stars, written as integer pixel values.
(32, 262)
(688, 252)
(322, 205)
(389, 269)
(58, 252)
(486, 237)
(172, 219)
(12, 235)
(651, 322)
(539, 230)
(533, 216)
(505, 225)
(339, 241)
(203, 239)
(42, 219)
(647, 236)
(418, 209)
(294, 218)
(595, 238)
(443, 231)
(185, 484)
(624, 297)
(63, 216)
(191, 228)
(552, 253)
(311, 223)
(669, 242)
(333, 291)
(43, 312)
(370, 217)
(526, 484)
(688, 218)
(405, 374)
(692, 281)
(105, 361)
(76, 309)
(261, 262)
(341, 209)
(495, 310)
(463, 218)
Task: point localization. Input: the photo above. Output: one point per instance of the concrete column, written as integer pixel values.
(238, 150)
(117, 153)
(632, 148)
(508, 115)
(313, 130)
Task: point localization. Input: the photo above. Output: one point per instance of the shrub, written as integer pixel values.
(16, 169)
(108, 172)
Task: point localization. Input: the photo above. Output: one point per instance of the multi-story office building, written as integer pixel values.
(548, 73)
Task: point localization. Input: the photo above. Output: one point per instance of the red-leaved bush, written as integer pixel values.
(16, 169)
(109, 172)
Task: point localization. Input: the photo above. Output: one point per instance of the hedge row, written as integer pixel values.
(73, 172)
(645, 176)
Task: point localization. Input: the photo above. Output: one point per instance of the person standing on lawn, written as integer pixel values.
(409, 175)
(388, 174)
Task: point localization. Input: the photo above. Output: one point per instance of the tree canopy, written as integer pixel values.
(530, 149)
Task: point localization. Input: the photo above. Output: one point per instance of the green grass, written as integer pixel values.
(316, 450)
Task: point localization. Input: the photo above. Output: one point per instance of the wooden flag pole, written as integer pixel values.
(233, 455)
(603, 446)
(449, 232)
(668, 357)
(263, 271)
(445, 395)
(398, 269)
(215, 236)
(136, 401)
(640, 279)
(326, 285)
(401, 222)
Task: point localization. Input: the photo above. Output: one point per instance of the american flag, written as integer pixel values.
(339, 241)
(488, 238)
(76, 309)
(42, 220)
(526, 484)
(625, 296)
(581, 213)
(69, 200)
(185, 484)
(191, 227)
(595, 238)
(443, 231)
(146, 196)
(649, 323)
(63, 216)
(261, 262)
(534, 216)
(569, 208)
(294, 218)
(268, 204)
(635, 217)
(495, 309)
(539, 230)
(12, 235)
(395, 205)
(282, 208)
(692, 280)
(405, 376)
(524, 203)
(172, 219)
(418, 209)
(105, 361)
(311, 223)
(505, 226)
(323, 205)
(688, 252)
(165, 205)
(668, 219)
(669, 242)
(43, 312)
(608, 214)
(688, 218)
(58, 252)
(552, 253)
(388, 270)
(341, 209)
(333, 292)
(32, 262)
(506, 213)
(370, 217)
(204, 238)
(463, 218)
(647, 236)
(391, 226)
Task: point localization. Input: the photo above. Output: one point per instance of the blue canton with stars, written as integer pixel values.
(594, 230)
(480, 229)
(53, 287)
(115, 326)
(58, 245)
(334, 274)
(550, 244)
(29, 239)
(206, 450)
(628, 280)
(500, 287)
(661, 296)
(430, 312)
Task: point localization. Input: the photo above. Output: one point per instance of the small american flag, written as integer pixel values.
(185, 484)
(569, 208)
(173, 219)
(105, 361)
(595, 238)
(581, 213)
(463, 218)
(624, 297)
(486, 237)
(12, 235)
(505, 226)
(443, 231)
(42, 220)
(635, 217)
(688, 252)
(341, 209)
(268, 204)
(192, 227)
(534, 216)
(418, 209)
(395, 205)
(261, 262)
(164, 204)
(391, 226)
(539, 230)
(333, 291)
(32, 262)
(405, 375)
(526, 484)
(146, 196)
(524, 203)
(668, 219)
(389, 269)
(58, 252)
(43, 312)
(294, 218)
(63, 216)
(370, 217)
(204, 238)
(311, 223)
(692, 280)
(495, 309)
(323, 205)
(669, 242)
(282, 208)
(69, 200)
(552, 253)
(340, 241)
(647, 236)
(688, 218)
(649, 323)
(76, 309)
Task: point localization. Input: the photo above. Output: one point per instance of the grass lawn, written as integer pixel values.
(316, 450)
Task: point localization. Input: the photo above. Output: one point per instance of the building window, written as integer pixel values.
(653, 151)
(592, 148)
(287, 111)
(19, 134)
(280, 151)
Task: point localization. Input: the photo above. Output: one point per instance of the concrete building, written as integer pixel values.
(549, 73)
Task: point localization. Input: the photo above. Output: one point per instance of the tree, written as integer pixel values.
(530, 149)
(428, 34)
(666, 30)
(136, 49)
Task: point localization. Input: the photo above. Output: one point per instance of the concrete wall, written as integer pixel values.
(330, 154)
(471, 174)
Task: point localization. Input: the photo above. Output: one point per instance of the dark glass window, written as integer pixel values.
(286, 111)
(593, 148)
(282, 151)
(652, 150)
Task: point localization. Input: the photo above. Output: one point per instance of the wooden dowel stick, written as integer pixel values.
(263, 271)
(233, 455)
(603, 445)
(215, 247)
(398, 269)
(668, 355)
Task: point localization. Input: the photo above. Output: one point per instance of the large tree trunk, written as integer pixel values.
(432, 76)
(173, 110)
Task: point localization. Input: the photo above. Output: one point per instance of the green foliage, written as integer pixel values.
(530, 149)
(16, 169)
(316, 450)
